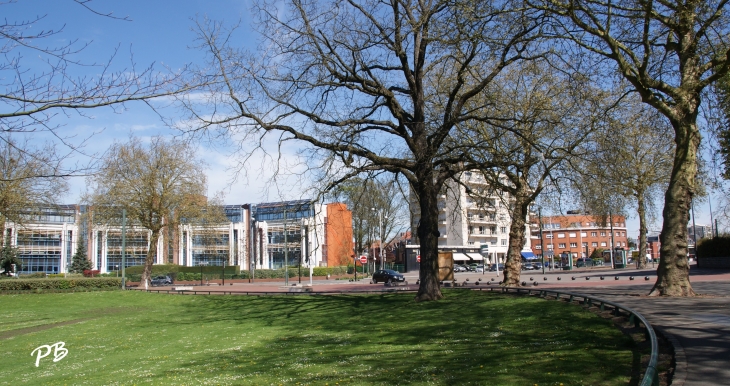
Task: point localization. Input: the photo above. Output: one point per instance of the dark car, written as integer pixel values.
(161, 280)
(387, 276)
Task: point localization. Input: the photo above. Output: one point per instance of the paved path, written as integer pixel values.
(699, 327)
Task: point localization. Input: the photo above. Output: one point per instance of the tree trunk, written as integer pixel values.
(642, 229)
(673, 271)
(150, 259)
(428, 234)
(513, 265)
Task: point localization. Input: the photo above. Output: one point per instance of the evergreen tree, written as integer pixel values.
(80, 261)
(9, 256)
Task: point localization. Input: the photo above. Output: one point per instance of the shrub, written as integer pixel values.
(55, 284)
(91, 272)
(37, 275)
(714, 247)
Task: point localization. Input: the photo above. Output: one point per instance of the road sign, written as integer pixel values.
(363, 259)
(484, 250)
(418, 258)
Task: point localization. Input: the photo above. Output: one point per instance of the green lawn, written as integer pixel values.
(467, 339)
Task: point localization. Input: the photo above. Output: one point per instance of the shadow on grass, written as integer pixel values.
(467, 338)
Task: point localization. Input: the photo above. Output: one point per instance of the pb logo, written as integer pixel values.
(59, 352)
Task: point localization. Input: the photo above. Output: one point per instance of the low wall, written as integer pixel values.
(713, 262)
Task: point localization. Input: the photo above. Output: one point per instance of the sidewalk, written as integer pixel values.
(698, 327)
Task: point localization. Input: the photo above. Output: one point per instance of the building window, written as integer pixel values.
(573, 245)
(471, 230)
(503, 230)
(548, 236)
(538, 246)
(585, 245)
(504, 242)
(571, 234)
(561, 245)
(603, 234)
(561, 235)
(594, 234)
(481, 231)
(603, 244)
(550, 247)
(584, 234)
(594, 244)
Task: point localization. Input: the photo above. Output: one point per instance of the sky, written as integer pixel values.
(161, 32)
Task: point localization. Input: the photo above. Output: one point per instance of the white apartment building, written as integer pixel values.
(470, 219)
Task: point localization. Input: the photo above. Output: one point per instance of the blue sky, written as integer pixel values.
(160, 32)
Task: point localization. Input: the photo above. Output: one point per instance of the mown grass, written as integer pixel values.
(467, 339)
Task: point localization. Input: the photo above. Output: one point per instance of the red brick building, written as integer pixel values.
(577, 234)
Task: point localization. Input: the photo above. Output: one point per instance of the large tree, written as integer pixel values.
(638, 147)
(369, 86)
(539, 116)
(669, 52)
(157, 183)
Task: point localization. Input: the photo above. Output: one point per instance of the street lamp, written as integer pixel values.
(380, 236)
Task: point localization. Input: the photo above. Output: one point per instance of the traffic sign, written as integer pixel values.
(418, 258)
(363, 259)
(484, 250)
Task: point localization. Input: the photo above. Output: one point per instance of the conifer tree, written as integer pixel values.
(80, 261)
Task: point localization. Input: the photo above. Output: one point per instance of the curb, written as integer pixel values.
(680, 359)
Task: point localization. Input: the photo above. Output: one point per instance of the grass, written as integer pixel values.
(469, 338)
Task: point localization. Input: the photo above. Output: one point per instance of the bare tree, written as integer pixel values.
(40, 85)
(157, 183)
(28, 180)
(369, 86)
(669, 52)
(539, 117)
(632, 159)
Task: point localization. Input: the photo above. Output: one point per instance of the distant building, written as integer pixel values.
(578, 235)
(259, 236)
(472, 214)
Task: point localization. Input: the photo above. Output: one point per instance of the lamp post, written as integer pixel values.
(542, 244)
(380, 236)
(286, 253)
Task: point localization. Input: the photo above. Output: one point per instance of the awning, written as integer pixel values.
(528, 256)
(465, 257)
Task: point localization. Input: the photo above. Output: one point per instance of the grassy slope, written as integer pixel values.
(469, 338)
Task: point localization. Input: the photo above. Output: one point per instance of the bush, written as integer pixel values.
(60, 284)
(91, 272)
(714, 247)
(37, 275)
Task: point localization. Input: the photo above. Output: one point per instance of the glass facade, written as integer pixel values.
(39, 250)
(210, 248)
(234, 213)
(276, 211)
(135, 249)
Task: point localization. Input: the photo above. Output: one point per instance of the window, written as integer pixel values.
(571, 234)
(538, 246)
(471, 230)
(550, 247)
(618, 234)
(603, 244)
(504, 242)
(573, 245)
(503, 230)
(594, 244)
(481, 216)
(594, 234)
(561, 235)
(561, 245)
(603, 234)
(548, 236)
(471, 243)
(583, 234)
(481, 230)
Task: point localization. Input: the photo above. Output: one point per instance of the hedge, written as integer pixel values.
(194, 275)
(714, 247)
(56, 284)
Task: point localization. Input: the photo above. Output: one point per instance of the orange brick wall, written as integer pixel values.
(338, 230)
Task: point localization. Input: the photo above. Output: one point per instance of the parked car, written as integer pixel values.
(387, 276)
(479, 268)
(160, 280)
(460, 268)
(473, 267)
(493, 267)
(527, 267)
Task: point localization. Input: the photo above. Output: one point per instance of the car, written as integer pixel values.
(160, 280)
(527, 267)
(460, 268)
(387, 276)
(479, 268)
(472, 267)
(584, 262)
(493, 267)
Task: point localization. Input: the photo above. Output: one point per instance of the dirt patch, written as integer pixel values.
(98, 314)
